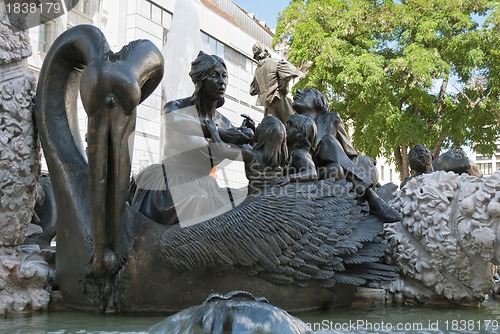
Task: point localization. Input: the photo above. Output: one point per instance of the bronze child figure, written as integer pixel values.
(265, 161)
(334, 147)
(301, 135)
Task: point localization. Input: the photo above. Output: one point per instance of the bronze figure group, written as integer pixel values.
(308, 225)
(295, 230)
(313, 145)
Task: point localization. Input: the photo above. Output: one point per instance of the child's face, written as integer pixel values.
(303, 101)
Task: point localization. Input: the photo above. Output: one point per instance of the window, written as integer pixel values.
(390, 175)
(45, 36)
(71, 3)
(382, 176)
(250, 66)
(86, 6)
(213, 46)
(42, 38)
(144, 8)
(235, 57)
(498, 165)
(486, 168)
(166, 18)
(156, 14)
(482, 157)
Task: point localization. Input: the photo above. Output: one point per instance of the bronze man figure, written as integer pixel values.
(270, 83)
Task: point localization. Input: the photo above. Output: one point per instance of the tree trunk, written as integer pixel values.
(405, 164)
(437, 145)
(401, 157)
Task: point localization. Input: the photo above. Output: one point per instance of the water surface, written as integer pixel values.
(392, 319)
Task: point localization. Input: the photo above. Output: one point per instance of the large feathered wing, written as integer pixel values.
(302, 233)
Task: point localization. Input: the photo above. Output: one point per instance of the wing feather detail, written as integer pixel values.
(304, 233)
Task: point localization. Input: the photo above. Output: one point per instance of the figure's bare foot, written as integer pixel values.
(386, 213)
(380, 208)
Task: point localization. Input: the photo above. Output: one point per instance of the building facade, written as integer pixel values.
(488, 164)
(387, 172)
(225, 29)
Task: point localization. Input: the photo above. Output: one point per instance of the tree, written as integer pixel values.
(402, 72)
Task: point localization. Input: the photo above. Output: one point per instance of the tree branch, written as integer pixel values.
(437, 146)
(440, 103)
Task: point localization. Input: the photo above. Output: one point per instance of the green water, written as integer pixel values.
(366, 319)
(408, 319)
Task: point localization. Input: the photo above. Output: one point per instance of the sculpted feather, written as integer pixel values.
(286, 246)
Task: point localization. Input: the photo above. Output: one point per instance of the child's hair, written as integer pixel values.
(306, 127)
(270, 136)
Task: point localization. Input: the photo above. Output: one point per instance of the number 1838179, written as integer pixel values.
(22, 7)
(471, 325)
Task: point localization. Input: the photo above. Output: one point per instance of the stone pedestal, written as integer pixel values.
(23, 273)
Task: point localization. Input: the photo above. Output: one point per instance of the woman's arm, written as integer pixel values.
(220, 150)
(235, 136)
(186, 124)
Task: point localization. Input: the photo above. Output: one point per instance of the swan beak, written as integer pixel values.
(110, 99)
(111, 88)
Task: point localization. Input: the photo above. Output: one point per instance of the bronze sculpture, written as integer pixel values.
(270, 83)
(87, 228)
(234, 312)
(334, 149)
(310, 239)
(301, 135)
(420, 160)
(111, 119)
(456, 160)
(181, 188)
(266, 159)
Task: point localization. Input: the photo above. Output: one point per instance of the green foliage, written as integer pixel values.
(402, 72)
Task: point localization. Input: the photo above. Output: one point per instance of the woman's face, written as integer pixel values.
(214, 86)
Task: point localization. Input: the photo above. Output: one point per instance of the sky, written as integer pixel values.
(264, 10)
